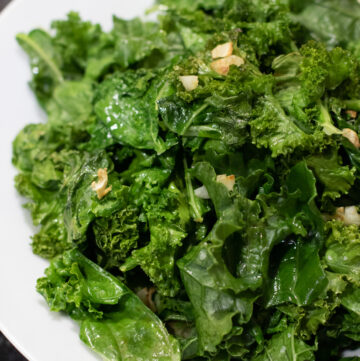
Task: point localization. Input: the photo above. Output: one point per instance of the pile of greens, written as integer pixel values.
(154, 255)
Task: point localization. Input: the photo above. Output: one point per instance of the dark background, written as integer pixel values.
(7, 351)
(3, 3)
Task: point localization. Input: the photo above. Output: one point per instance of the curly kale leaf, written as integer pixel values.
(131, 120)
(82, 203)
(157, 259)
(194, 5)
(45, 63)
(166, 214)
(77, 41)
(113, 321)
(249, 271)
(136, 40)
(70, 112)
(300, 278)
(336, 178)
(117, 236)
(334, 22)
(275, 130)
(285, 346)
(47, 210)
(43, 171)
(342, 253)
(208, 278)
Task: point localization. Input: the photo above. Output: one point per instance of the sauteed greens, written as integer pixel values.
(197, 181)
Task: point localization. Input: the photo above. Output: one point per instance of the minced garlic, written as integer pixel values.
(222, 50)
(100, 186)
(227, 180)
(190, 82)
(222, 66)
(351, 136)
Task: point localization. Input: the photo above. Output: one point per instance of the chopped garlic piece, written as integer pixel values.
(352, 113)
(190, 82)
(146, 295)
(222, 66)
(348, 215)
(222, 50)
(352, 136)
(202, 193)
(227, 180)
(100, 186)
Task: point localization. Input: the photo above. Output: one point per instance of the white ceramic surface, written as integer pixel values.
(24, 317)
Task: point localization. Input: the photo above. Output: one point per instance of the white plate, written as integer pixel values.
(24, 317)
(40, 335)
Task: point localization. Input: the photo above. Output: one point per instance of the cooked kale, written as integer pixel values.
(207, 164)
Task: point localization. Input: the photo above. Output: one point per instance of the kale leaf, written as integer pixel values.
(197, 204)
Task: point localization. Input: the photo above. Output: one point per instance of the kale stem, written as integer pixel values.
(353, 104)
(326, 121)
(32, 44)
(194, 115)
(190, 191)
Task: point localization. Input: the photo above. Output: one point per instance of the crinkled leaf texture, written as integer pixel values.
(343, 249)
(285, 346)
(250, 271)
(336, 178)
(131, 120)
(113, 321)
(212, 289)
